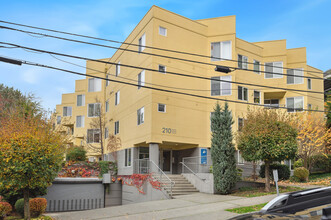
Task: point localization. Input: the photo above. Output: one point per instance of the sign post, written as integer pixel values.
(275, 174)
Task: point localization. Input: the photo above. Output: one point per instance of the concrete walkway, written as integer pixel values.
(194, 206)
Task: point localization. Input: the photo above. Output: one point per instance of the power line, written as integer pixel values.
(159, 55)
(132, 44)
(154, 70)
(153, 88)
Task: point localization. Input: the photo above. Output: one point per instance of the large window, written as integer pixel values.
(140, 116)
(257, 97)
(94, 85)
(117, 127)
(118, 68)
(272, 103)
(242, 62)
(128, 155)
(242, 93)
(80, 121)
(162, 31)
(80, 100)
(117, 98)
(142, 43)
(274, 67)
(93, 135)
(294, 104)
(67, 111)
(141, 79)
(294, 76)
(257, 66)
(219, 87)
(221, 50)
(94, 109)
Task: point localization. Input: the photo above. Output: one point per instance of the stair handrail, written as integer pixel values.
(172, 183)
(192, 171)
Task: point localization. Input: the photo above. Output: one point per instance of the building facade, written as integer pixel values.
(167, 127)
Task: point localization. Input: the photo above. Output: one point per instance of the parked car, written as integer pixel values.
(306, 204)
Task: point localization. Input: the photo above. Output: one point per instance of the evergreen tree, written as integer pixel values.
(222, 149)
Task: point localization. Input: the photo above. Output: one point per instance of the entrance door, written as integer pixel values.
(166, 161)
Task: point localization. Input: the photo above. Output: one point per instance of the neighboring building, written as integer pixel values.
(166, 127)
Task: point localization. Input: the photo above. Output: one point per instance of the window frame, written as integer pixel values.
(82, 121)
(221, 84)
(94, 110)
(83, 100)
(65, 110)
(279, 76)
(141, 79)
(243, 93)
(309, 84)
(294, 109)
(294, 76)
(221, 52)
(165, 69)
(259, 65)
(259, 97)
(158, 107)
(128, 157)
(107, 106)
(165, 31)
(116, 127)
(118, 69)
(94, 132)
(94, 82)
(270, 105)
(141, 116)
(117, 97)
(244, 64)
(142, 43)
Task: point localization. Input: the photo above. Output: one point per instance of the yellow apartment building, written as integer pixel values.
(167, 127)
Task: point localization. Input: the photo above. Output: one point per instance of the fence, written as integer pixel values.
(199, 164)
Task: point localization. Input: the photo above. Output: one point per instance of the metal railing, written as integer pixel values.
(199, 164)
(184, 165)
(146, 166)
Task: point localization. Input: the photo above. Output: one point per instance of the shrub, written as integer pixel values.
(322, 162)
(76, 154)
(301, 173)
(283, 171)
(19, 206)
(5, 209)
(104, 167)
(239, 174)
(37, 206)
(298, 163)
(211, 169)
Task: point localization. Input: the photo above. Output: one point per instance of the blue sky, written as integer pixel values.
(304, 23)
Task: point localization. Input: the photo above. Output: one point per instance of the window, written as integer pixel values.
(162, 31)
(80, 121)
(161, 108)
(257, 67)
(271, 68)
(143, 153)
(94, 109)
(142, 43)
(141, 79)
(221, 50)
(219, 87)
(80, 100)
(242, 62)
(107, 106)
(117, 98)
(309, 107)
(94, 85)
(162, 69)
(293, 76)
(242, 93)
(118, 68)
(117, 127)
(67, 111)
(309, 83)
(294, 104)
(107, 81)
(128, 154)
(93, 135)
(140, 116)
(106, 133)
(240, 124)
(257, 98)
(58, 120)
(271, 103)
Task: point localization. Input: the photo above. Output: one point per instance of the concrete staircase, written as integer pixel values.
(182, 185)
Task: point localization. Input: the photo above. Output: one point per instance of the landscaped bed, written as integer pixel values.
(259, 191)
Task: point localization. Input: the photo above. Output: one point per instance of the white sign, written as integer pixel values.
(275, 173)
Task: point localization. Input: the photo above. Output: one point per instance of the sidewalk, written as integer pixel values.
(195, 206)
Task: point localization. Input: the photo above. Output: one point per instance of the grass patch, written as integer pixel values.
(247, 209)
(318, 176)
(254, 191)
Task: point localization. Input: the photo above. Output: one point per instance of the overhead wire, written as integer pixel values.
(132, 44)
(155, 70)
(159, 55)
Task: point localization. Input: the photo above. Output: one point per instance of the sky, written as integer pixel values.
(303, 23)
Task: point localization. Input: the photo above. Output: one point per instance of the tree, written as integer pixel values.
(313, 137)
(267, 135)
(113, 145)
(222, 149)
(31, 153)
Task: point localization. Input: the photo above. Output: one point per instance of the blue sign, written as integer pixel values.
(203, 154)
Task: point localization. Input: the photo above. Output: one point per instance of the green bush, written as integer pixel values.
(283, 171)
(322, 162)
(301, 173)
(239, 174)
(211, 169)
(76, 154)
(11, 195)
(104, 167)
(298, 163)
(19, 206)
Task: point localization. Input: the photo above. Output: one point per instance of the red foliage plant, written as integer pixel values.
(37, 206)
(5, 209)
(138, 181)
